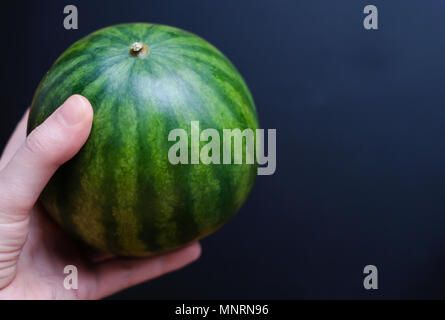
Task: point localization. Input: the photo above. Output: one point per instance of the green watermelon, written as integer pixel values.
(120, 194)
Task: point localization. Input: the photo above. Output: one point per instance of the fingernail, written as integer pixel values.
(73, 110)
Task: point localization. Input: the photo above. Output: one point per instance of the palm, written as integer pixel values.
(40, 269)
(48, 250)
(36, 250)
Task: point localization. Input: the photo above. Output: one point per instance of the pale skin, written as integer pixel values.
(33, 249)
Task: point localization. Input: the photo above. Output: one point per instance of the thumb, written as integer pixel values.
(48, 146)
(22, 180)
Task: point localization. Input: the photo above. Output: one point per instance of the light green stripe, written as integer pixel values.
(125, 173)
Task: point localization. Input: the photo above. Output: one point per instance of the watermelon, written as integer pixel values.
(121, 194)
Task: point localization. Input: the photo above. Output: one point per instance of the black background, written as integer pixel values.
(359, 117)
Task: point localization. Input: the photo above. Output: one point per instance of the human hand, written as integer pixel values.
(33, 250)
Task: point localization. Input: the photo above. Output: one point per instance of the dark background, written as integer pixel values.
(359, 117)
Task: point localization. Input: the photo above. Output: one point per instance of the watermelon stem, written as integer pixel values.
(139, 50)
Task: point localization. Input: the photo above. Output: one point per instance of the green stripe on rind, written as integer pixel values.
(217, 179)
(155, 124)
(185, 95)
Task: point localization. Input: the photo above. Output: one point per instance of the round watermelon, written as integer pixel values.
(120, 193)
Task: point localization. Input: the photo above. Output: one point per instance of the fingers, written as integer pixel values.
(115, 275)
(48, 146)
(17, 138)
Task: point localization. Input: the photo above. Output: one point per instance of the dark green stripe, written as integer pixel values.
(145, 206)
(109, 189)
